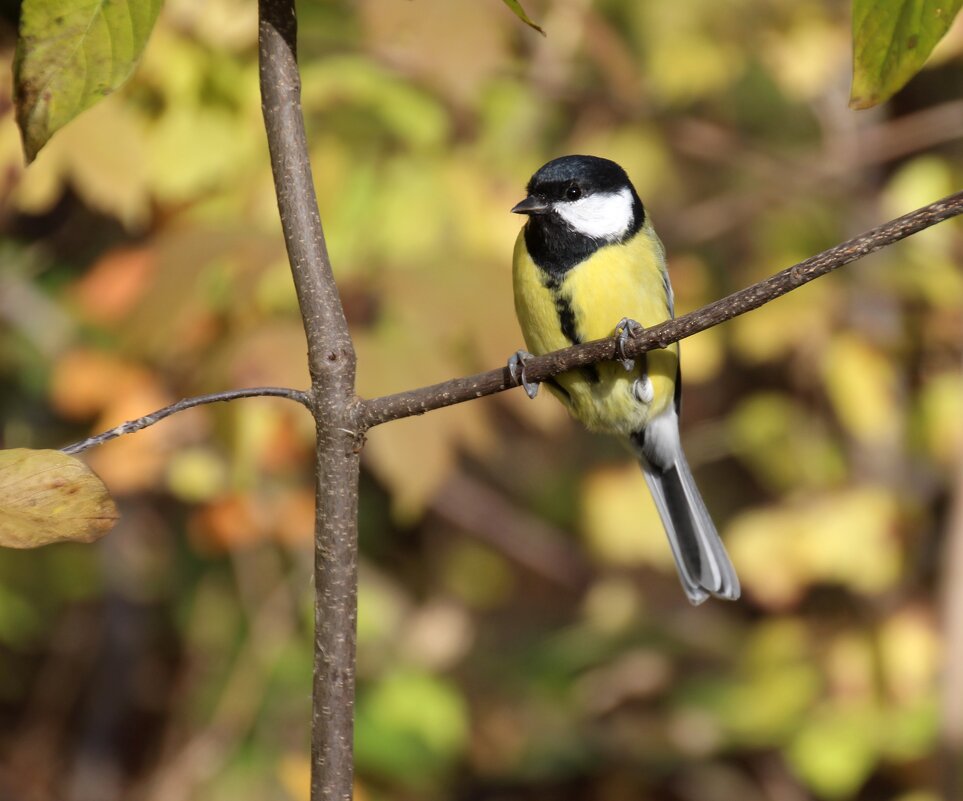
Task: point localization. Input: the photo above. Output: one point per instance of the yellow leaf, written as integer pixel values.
(228, 24)
(910, 654)
(861, 384)
(690, 53)
(773, 331)
(48, 496)
(194, 149)
(620, 520)
(844, 537)
(941, 425)
(785, 445)
(804, 56)
(196, 474)
(108, 172)
(916, 183)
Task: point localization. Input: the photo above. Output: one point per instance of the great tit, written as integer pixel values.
(587, 258)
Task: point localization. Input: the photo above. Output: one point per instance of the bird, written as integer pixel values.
(587, 265)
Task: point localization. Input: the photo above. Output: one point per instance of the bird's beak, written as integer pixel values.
(531, 205)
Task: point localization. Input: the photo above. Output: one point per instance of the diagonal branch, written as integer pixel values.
(188, 403)
(418, 401)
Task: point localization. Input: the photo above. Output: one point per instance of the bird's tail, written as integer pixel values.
(704, 567)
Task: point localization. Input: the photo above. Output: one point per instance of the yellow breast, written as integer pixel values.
(626, 280)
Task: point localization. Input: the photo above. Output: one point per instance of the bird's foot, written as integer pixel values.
(626, 329)
(516, 368)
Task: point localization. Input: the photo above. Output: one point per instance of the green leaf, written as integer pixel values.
(891, 41)
(836, 749)
(48, 496)
(519, 12)
(411, 727)
(70, 54)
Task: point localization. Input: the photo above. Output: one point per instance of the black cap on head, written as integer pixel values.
(590, 173)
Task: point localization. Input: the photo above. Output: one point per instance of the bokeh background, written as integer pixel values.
(522, 634)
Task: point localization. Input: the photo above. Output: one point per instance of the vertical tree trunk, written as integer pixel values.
(331, 360)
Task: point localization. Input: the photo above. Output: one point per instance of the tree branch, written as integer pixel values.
(331, 360)
(188, 403)
(418, 401)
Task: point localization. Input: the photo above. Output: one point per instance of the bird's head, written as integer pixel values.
(587, 195)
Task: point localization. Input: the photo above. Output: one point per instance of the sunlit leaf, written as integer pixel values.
(909, 651)
(519, 12)
(48, 496)
(846, 537)
(861, 384)
(620, 520)
(196, 474)
(836, 749)
(109, 172)
(415, 117)
(940, 423)
(775, 663)
(910, 731)
(195, 148)
(891, 41)
(410, 727)
(784, 445)
(690, 50)
(72, 53)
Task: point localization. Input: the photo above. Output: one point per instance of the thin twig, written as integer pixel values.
(188, 403)
(418, 401)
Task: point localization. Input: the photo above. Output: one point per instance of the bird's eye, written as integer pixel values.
(573, 193)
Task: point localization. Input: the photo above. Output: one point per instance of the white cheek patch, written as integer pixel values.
(600, 216)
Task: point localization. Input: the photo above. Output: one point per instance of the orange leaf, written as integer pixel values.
(114, 285)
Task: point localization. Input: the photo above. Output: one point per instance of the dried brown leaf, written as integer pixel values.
(47, 496)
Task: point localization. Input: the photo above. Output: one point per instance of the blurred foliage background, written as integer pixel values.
(522, 634)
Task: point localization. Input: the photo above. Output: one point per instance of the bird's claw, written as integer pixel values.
(516, 368)
(626, 329)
